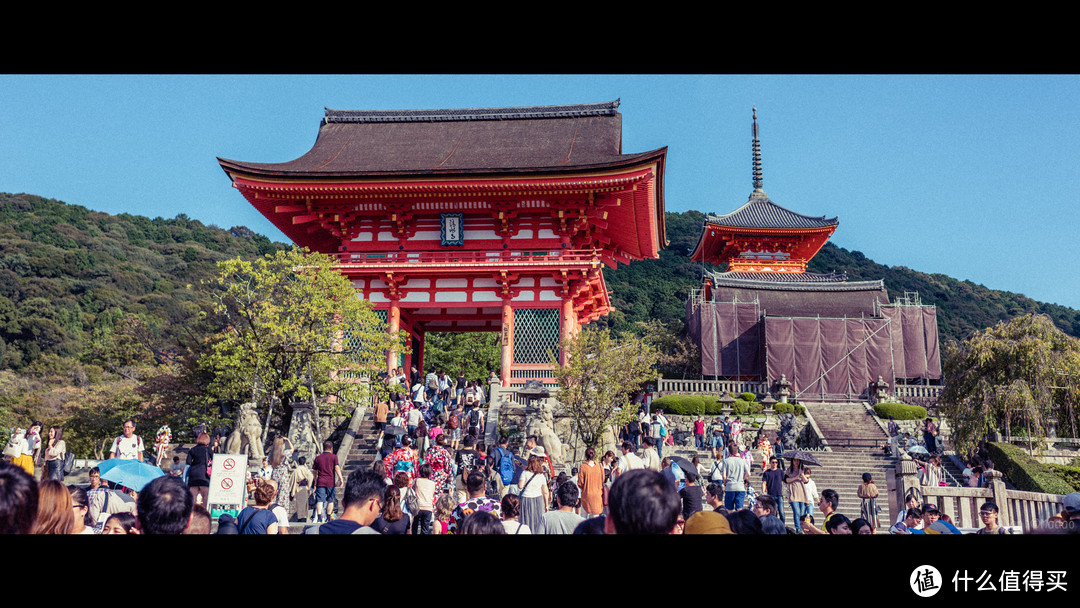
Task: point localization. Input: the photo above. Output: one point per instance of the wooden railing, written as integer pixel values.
(1028, 510)
(469, 257)
(667, 386)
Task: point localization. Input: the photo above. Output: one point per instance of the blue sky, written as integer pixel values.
(973, 176)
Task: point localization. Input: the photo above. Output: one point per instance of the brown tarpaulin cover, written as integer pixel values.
(914, 341)
(821, 357)
(730, 337)
(828, 357)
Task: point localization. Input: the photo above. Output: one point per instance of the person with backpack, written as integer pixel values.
(129, 445)
(503, 463)
(469, 400)
(476, 421)
(467, 461)
(453, 424)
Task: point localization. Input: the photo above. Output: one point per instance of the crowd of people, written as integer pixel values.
(436, 475)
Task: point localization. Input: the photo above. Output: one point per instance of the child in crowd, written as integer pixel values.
(177, 469)
(444, 508)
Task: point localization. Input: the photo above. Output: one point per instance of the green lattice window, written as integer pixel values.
(351, 342)
(536, 331)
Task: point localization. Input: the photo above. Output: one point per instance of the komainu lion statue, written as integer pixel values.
(247, 437)
(543, 426)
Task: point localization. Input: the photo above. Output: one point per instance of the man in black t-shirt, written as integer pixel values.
(773, 480)
(467, 460)
(691, 495)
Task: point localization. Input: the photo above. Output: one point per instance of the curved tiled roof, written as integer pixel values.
(760, 212)
(792, 277)
(376, 143)
(793, 281)
(609, 108)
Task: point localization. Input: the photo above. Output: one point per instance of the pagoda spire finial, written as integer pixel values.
(758, 191)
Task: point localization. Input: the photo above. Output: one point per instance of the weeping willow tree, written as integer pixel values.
(598, 385)
(1019, 374)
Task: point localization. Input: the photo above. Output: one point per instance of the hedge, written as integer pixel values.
(681, 405)
(900, 411)
(1070, 474)
(790, 408)
(1025, 472)
(709, 405)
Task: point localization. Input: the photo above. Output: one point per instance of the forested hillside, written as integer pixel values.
(66, 272)
(104, 317)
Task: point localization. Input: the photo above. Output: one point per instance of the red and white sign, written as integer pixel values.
(227, 480)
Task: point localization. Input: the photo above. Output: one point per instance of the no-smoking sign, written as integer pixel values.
(227, 479)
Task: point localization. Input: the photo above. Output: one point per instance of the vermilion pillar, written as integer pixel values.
(566, 330)
(393, 320)
(507, 342)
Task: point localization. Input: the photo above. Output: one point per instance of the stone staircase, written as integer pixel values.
(362, 453)
(848, 426)
(855, 439)
(842, 471)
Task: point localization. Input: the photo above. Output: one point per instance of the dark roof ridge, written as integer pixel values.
(789, 277)
(609, 108)
(758, 215)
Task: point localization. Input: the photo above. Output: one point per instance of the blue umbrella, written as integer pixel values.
(134, 474)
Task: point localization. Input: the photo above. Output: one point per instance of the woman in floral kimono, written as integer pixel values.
(440, 460)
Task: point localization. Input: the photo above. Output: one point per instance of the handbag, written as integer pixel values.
(69, 463)
(412, 501)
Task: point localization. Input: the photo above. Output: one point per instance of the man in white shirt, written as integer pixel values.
(129, 445)
(650, 457)
(628, 461)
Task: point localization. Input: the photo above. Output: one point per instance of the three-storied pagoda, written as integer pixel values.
(490, 219)
(765, 318)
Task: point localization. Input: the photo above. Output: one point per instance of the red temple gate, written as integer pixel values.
(496, 219)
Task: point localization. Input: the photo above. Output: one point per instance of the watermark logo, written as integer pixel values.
(925, 581)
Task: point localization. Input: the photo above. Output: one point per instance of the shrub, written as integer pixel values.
(1025, 472)
(900, 411)
(742, 407)
(680, 405)
(748, 396)
(1071, 474)
(790, 408)
(713, 407)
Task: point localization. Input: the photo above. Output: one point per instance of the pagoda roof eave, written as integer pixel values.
(761, 212)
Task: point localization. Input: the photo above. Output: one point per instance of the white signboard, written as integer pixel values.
(228, 480)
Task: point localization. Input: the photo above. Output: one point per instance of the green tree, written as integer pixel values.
(597, 386)
(1016, 374)
(475, 352)
(291, 319)
(677, 355)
